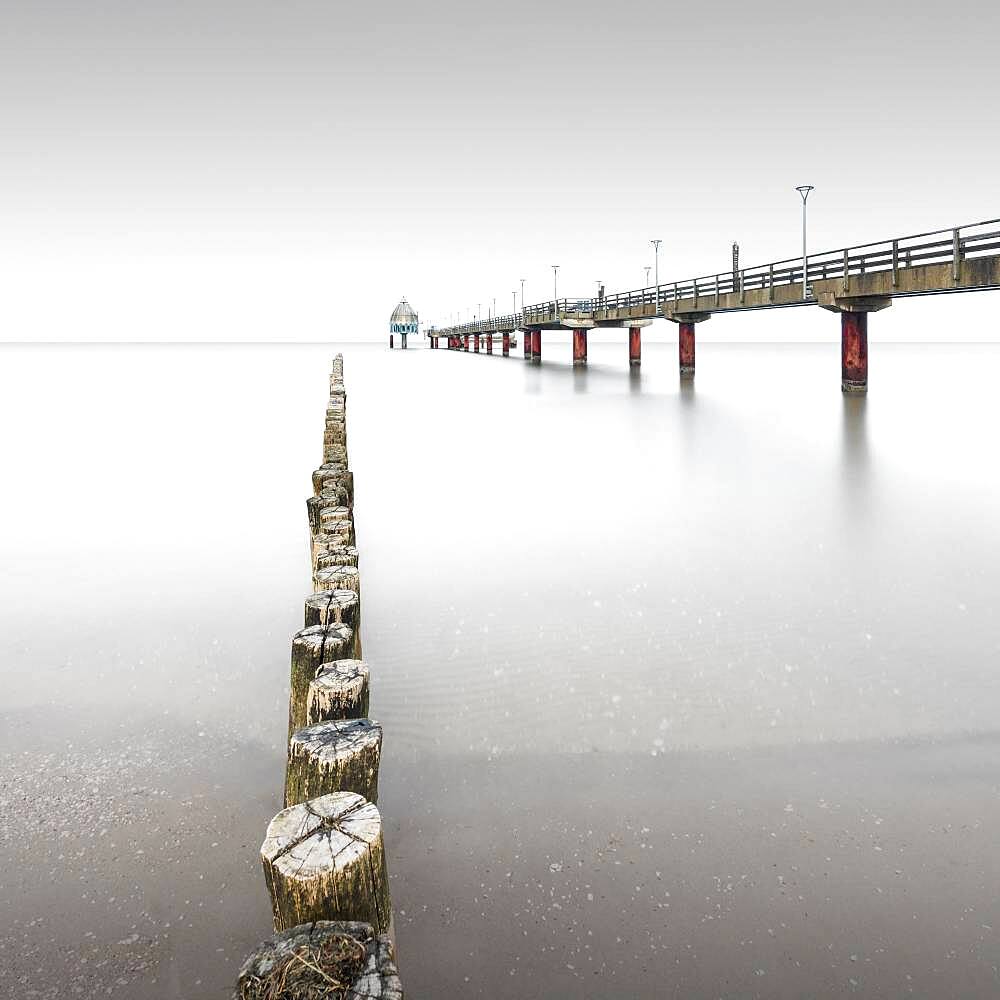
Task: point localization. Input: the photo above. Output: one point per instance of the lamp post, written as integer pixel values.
(804, 190)
(555, 286)
(515, 300)
(647, 269)
(656, 263)
(522, 295)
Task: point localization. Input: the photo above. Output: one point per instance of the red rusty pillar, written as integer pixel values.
(466, 341)
(634, 346)
(489, 343)
(854, 351)
(536, 345)
(685, 348)
(579, 347)
(527, 344)
(506, 345)
(477, 343)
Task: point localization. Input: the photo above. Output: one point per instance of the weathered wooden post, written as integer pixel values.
(527, 345)
(489, 343)
(337, 578)
(536, 345)
(579, 348)
(685, 348)
(333, 607)
(506, 345)
(310, 647)
(338, 691)
(324, 860)
(336, 755)
(324, 958)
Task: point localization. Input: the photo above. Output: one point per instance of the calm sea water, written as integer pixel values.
(687, 690)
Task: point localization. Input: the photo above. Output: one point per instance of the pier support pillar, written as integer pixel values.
(536, 345)
(685, 349)
(579, 348)
(477, 343)
(506, 345)
(403, 337)
(527, 345)
(390, 341)
(854, 351)
(466, 341)
(634, 346)
(854, 337)
(685, 338)
(489, 343)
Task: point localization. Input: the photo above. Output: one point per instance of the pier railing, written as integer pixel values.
(942, 246)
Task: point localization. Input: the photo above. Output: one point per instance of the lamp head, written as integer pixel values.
(804, 190)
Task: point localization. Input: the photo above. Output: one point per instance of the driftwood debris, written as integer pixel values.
(325, 960)
(338, 691)
(311, 647)
(338, 755)
(324, 860)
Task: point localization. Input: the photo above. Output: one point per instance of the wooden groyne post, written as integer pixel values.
(323, 855)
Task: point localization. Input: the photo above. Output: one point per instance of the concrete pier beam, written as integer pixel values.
(579, 348)
(634, 346)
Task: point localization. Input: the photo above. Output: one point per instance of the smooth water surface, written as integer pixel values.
(688, 690)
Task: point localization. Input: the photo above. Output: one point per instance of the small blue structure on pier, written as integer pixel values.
(404, 321)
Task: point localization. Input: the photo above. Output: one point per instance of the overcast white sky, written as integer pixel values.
(222, 170)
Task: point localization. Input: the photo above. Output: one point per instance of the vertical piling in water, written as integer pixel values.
(685, 348)
(579, 348)
(536, 345)
(477, 343)
(854, 351)
(489, 343)
(527, 345)
(634, 346)
(466, 342)
(506, 345)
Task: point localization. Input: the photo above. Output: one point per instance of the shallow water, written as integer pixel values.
(687, 690)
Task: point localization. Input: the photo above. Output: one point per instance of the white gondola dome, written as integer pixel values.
(403, 313)
(404, 318)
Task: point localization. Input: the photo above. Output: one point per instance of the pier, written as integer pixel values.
(852, 282)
